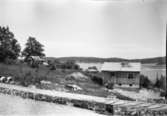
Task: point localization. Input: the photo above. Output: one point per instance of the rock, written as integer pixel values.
(76, 76)
(32, 86)
(9, 79)
(45, 82)
(3, 79)
(73, 87)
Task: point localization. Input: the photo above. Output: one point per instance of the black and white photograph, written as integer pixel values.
(83, 57)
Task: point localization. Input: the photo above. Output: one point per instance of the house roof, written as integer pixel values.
(121, 66)
(36, 58)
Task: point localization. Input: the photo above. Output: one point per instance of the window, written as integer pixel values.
(112, 74)
(130, 76)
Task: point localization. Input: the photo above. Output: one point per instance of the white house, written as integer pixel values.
(122, 74)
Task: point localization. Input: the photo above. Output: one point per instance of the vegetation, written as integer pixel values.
(160, 82)
(145, 82)
(156, 60)
(109, 85)
(70, 65)
(67, 65)
(96, 78)
(33, 48)
(26, 76)
(22, 73)
(93, 67)
(29, 78)
(9, 46)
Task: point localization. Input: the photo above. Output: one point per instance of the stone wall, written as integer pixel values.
(99, 107)
(90, 105)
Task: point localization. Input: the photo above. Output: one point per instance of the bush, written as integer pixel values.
(24, 79)
(162, 94)
(110, 108)
(157, 83)
(33, 64)
(145, 82)
(109, 85)
(29, 78)
(76, 67)
(10, 61)
(160, 82)
(69, 65)
(97, 79)
(52, 67)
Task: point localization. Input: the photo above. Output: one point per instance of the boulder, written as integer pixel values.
(76, 76)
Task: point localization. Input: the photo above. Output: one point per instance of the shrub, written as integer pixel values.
(109, 85)
(162, 94)
(28, 78)
(160, 82)
(25, 79)
(157, 83)
(110, 108)
(10, 61)
(69, 65)
(93, 67)
(76, 67)
(145, 82)
(97, 79)
(33, 64)
(52, 67)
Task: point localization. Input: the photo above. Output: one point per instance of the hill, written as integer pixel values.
(155, 60)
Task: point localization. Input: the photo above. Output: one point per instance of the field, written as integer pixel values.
(56, 77)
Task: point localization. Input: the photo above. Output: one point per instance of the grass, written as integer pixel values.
(25, 75)
(21, 72)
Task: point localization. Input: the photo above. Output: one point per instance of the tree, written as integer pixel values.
(9, 46)
(157, 83)
(70, 64)
(163, 82)
(33, 48)
(160, 82)
(145, 82)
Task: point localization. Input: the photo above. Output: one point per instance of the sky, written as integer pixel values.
(90, 28)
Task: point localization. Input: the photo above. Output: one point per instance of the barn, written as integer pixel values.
(35, 60)
(122, 74)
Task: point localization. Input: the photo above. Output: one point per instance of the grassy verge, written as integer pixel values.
(25, 76)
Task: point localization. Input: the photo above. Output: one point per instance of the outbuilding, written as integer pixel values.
(122, 74)
(35, 59)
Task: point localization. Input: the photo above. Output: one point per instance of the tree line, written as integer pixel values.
(10, 48)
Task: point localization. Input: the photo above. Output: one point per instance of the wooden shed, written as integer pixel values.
(35, 60)
(122, 74)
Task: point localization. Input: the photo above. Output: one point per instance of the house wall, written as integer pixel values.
(121, 78)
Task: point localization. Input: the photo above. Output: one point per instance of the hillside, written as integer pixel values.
(156, 60)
